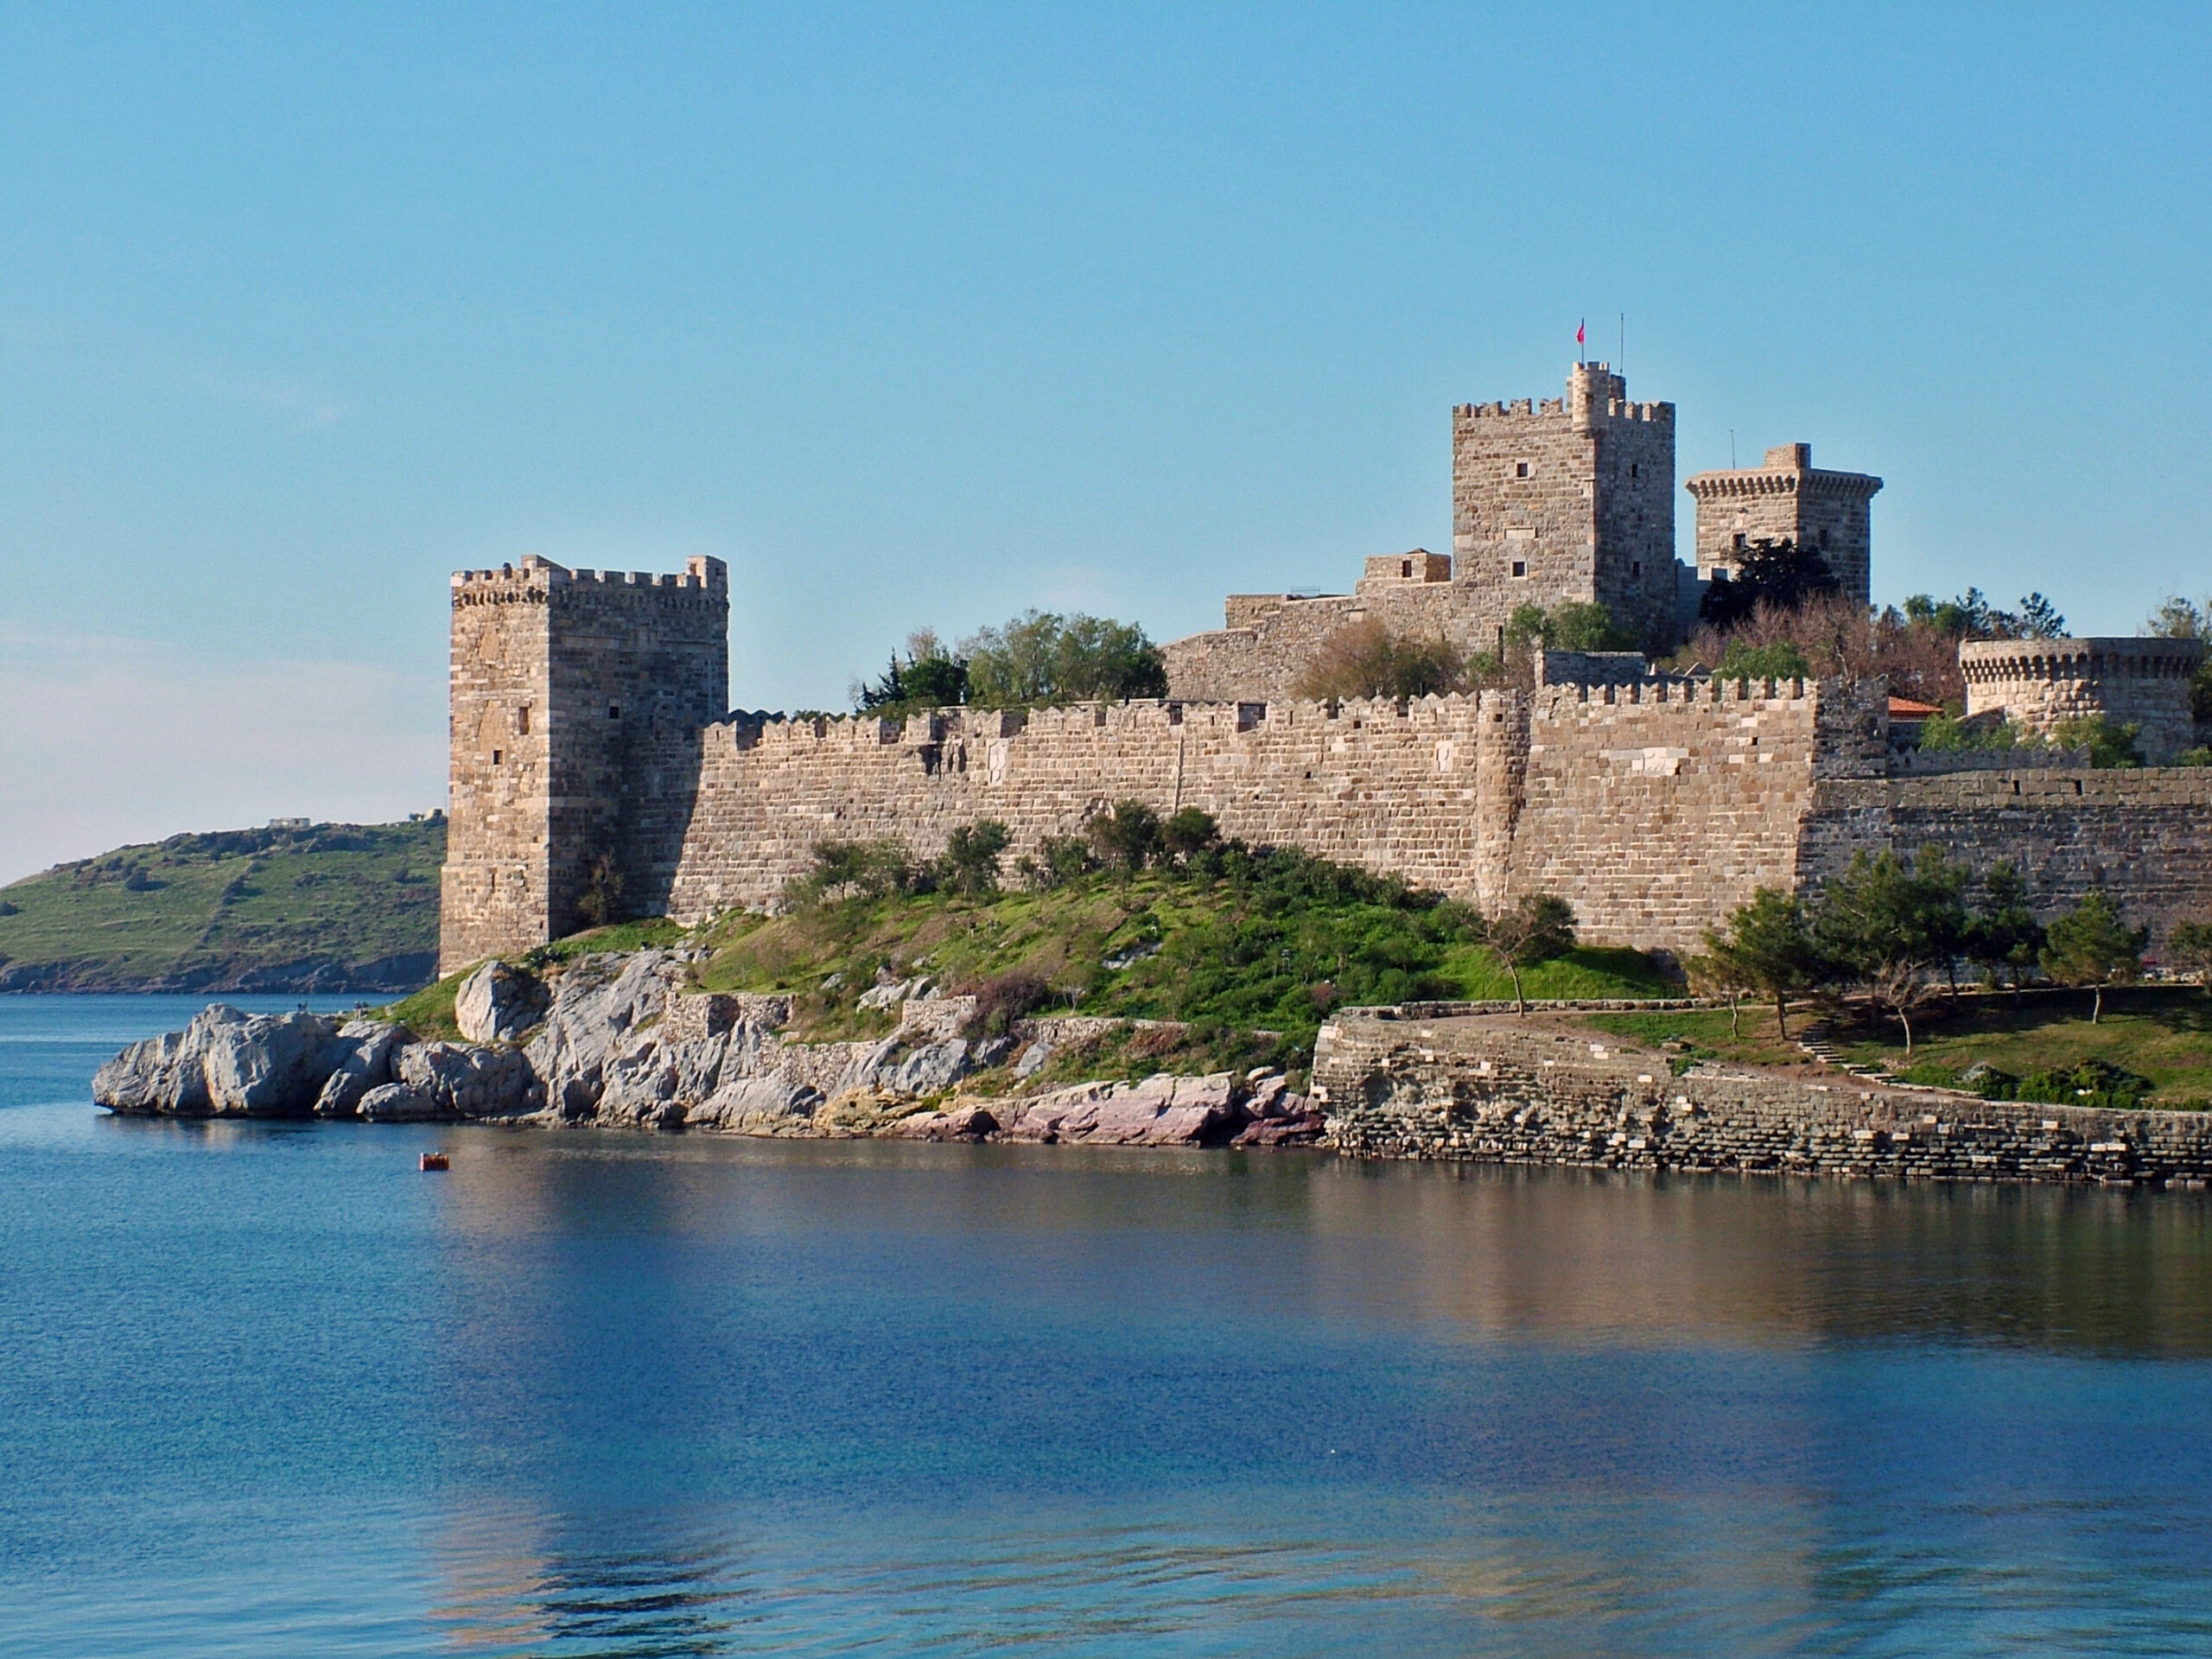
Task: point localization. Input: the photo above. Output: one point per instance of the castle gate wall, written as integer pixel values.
(1657, 806)
(1385, 786)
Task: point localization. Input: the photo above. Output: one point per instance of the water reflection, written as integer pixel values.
(800, 1398)
(1561, 1255)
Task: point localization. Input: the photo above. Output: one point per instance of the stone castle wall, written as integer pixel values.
(2039, 684)
(493, 888)
(2144, 836)
(1656, 806)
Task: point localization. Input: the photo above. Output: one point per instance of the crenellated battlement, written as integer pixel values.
(2041, 685)
(1728, 486)
(1991, 662)
(1184, 718)
(537, 576)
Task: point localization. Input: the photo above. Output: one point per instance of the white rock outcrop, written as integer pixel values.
(619, 1043)
(225, 1064)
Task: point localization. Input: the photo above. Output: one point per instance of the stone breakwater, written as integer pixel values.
(617, 1042)
(1545, 1090)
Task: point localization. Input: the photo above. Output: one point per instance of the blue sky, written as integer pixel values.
(928, 315)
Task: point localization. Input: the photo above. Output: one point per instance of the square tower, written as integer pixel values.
(1569, 499)
(573, 696)
(1787, 498)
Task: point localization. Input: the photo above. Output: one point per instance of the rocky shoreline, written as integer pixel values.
(618, 1042)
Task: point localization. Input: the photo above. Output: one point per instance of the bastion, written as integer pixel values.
(2039, 684)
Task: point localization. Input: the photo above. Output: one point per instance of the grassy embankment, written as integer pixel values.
(327, 907)
(1250, 962)
(2153, 1046)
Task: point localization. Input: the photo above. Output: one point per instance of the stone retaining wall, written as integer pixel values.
(1543, 1091)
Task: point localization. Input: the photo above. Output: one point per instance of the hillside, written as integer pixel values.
(1249, 951)
(319, 907)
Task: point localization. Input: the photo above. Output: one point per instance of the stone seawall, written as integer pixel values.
(1544, 1091)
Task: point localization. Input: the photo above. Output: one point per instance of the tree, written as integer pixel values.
(2182, 618)
(2040, 618)
(1767, 947)
(2003, 934)
(1365, 660)
(1578, 625)
(1540, 928)
(929, 677)
(1709, 976)
(971, 856)
(1129, 836)
(1778, 574)
(1060, 861)
(1971, 616)
(601, 901)
(1041, 659)
(1190, 831)
(1783, 659)
(2091, 945)
(2109, 746)
(862, 869)
(2190, 946)
(1888, 923)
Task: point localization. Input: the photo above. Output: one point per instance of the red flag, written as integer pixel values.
(1577, 333)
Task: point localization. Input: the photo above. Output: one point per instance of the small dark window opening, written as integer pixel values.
(497, 756)
(1635, 567)
(1824, 540)
(1406, 568)
(1635, 469)
(614, 711)
(1738, 544)
(521, 720)
(1520, 469)
(1520, 567)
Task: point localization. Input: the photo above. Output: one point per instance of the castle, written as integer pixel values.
(589, 727)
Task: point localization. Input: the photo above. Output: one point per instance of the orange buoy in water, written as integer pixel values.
(434, 1160)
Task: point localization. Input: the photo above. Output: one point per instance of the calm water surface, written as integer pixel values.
(268, 1391)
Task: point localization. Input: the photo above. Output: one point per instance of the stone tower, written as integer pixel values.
(575, 698)
(1571, 498)
(2039, 684)
(1786, 498)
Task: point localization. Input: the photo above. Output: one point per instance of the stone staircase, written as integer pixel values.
(1814, 1039)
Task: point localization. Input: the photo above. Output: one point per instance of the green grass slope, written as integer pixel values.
(1264, 944)
(327, 907)
(2154, 1043)
(1249, 951)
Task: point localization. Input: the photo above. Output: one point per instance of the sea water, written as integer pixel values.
(268, 1389)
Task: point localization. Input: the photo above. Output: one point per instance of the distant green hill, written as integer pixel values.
(315, 907)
